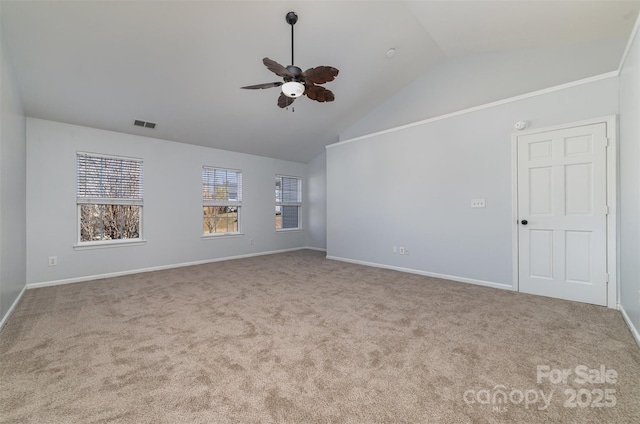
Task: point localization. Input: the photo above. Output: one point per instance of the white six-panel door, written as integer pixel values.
(562, 213)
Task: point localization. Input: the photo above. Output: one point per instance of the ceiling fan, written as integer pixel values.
(295, 82)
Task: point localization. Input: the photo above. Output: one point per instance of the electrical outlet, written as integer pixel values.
(395, 249)
(402, 250)
(53, 260)
(406, 250)
(478, 203)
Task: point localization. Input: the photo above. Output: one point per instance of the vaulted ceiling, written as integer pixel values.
(180, 64)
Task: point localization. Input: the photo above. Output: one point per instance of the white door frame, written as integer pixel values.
(612, 200)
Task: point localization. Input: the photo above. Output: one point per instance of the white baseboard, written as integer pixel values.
(155, 268)
(426, 273)
(6, 316)
(319, 249)
(632, 328)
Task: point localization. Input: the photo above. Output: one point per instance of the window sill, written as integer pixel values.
(288, 230)
(108, 244)
(221, 235)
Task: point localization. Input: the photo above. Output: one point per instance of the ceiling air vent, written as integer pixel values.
(144, 124)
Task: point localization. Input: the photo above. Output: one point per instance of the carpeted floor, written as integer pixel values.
(296, 338)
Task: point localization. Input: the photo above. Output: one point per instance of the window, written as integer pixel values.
(288, 202)
(221, 200)
(109, 197)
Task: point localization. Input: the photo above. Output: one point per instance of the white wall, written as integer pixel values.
(463, 82)
(630, 185)
(12, 187)
(172, 214)
(412, 187)
(317, 202)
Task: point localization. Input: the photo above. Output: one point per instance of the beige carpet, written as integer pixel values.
(296, 338)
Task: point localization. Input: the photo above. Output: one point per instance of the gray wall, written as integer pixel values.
(172, 214)
(413, 187)
(317, 202)
(630, 185)
(12, 187)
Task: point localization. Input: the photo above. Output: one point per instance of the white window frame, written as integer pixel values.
(83, 198)
(220, 203)
(288, 202)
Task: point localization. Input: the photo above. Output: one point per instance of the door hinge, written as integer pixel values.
(606, 142)
(606, 210)
(606, 278)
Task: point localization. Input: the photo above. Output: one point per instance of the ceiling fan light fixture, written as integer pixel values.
(293, 89)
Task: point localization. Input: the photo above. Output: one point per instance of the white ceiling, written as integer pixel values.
(180, 64)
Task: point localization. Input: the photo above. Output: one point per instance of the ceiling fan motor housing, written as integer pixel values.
(296, 72)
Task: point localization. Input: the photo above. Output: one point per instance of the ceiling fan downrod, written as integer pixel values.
(292, 18)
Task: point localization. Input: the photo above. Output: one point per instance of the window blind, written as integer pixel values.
(288, 190)
(109, 179)
(221, 186)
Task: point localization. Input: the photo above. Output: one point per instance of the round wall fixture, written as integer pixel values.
(520, 125)
(390, 53)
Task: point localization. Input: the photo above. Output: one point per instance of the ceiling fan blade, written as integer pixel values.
(319, 94)
(262, 86)
(276, 68)
(321, 74)
(284, 101)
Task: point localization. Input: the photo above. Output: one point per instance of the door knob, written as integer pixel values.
(524, 222)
